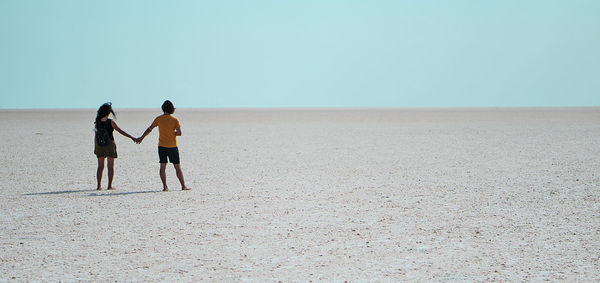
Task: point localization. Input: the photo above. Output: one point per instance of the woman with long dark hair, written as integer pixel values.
(104, 142)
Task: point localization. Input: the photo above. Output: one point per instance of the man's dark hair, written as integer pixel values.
(168, 107)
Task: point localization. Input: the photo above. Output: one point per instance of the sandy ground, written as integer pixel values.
(333, 195)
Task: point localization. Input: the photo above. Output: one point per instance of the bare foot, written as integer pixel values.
(111, 188)
(185, 189)
(165, 189)
(99, 188)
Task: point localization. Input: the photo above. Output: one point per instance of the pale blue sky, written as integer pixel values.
(317, 53)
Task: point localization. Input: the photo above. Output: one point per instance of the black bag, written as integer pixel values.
(102, 135)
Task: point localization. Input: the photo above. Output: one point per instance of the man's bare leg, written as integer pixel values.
(99, 172)
(180, 177)
(163, 176)
(110, 163)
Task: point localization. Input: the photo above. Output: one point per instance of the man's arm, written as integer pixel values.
(146, 133)
(178, 132)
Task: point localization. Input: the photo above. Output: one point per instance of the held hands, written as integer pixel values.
(137, 140)
(141, 138)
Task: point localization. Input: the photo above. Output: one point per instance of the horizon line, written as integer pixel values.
(311, 108)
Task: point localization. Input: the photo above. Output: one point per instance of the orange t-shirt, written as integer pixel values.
(166, 130)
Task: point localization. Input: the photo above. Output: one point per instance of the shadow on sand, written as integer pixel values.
(58, 192)
(112, 193)
(93, 193)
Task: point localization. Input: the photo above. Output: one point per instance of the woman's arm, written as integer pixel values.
(114, 124)
(178, 131)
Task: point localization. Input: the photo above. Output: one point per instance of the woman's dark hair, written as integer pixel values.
(104, 110)
(168, 107)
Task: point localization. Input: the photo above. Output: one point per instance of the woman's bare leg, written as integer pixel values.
(180, 176)
(110, 163)
(99, 172)
(163, 175)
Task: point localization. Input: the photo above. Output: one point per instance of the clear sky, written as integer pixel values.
(309, 53)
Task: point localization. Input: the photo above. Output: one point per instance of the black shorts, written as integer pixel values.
(171, 152)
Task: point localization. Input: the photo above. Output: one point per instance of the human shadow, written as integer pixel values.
(58, 192)
(111, 193)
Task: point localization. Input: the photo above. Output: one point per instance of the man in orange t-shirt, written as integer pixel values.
(168, 129)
